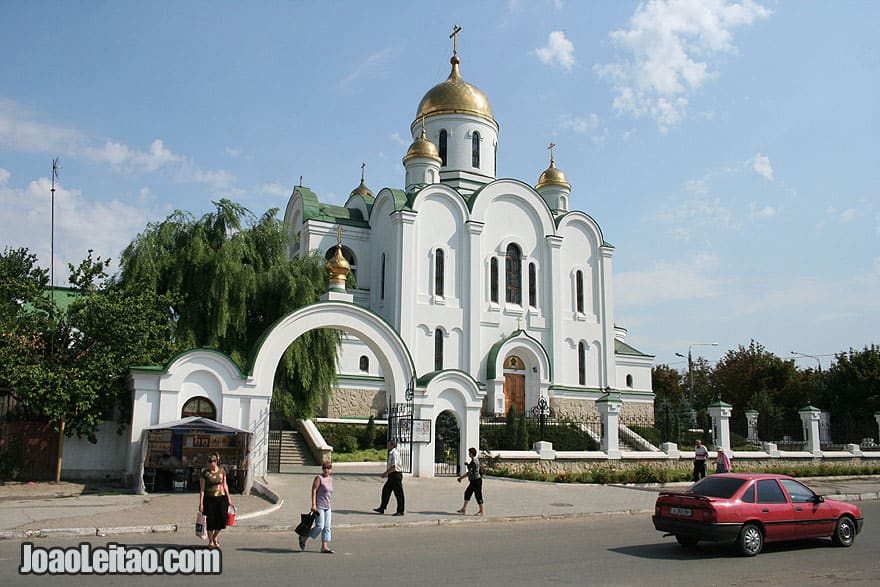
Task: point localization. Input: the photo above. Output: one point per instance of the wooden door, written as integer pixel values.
(515, 392)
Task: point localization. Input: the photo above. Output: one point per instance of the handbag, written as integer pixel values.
(306, 521)
(230, 515)
(201, 525)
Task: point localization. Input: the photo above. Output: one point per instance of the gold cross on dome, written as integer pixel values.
(363, 165)
(339, 235)
(551, 147)
(454, 37)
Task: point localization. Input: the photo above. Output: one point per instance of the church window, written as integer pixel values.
(493, 279)
(579, 293)
(442, 148)
(348, 254)
(582, 363)
(382, 277)
(438, 272)
(364, 365)
(199, 406)
(533, 286)
(475, 150)
(438, 350)
(629, 381)
(513, 275)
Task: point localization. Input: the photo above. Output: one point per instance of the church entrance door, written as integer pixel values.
(514, 384)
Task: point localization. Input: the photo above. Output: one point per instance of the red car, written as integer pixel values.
(751, 509)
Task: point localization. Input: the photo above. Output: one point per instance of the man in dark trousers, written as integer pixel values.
(394, 481)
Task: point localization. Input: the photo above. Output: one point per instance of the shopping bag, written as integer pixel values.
(230, 515)
(201, 526)
(306, 521)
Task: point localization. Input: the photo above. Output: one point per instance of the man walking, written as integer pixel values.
(394, 481)
(701, 454)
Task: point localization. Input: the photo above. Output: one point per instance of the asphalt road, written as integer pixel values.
(621, 550)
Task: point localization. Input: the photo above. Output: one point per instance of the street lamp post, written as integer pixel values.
(691, 367)
(809, 356)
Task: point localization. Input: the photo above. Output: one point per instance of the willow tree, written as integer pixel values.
(233, 279)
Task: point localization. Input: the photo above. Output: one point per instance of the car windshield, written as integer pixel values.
(713, 486)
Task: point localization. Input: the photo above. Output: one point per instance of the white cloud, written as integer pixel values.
(758, 212)
(365, 69)
(699, 187)
(399, 139)
(695, 212)
(686, 280)
(20, 132)
(848, 215)
(123, 157)
(581, 124)
(4, 176)
(80, 224)
(669, 43)
(276, 189)
(761, 165)
(559, 51)
(213, 177)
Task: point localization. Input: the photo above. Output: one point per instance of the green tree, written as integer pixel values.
(69, 365)
(852, 394)
(232, 279)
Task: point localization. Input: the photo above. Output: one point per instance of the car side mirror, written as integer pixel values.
(818, 499)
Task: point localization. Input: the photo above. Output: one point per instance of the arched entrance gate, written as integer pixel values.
(243, 399)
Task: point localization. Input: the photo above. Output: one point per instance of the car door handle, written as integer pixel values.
(765, 510)
(797, 509)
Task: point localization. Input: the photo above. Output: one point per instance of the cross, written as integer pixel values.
(551, 147)
(339, 235)
(300, 181)
(363, 165)
(454, 37)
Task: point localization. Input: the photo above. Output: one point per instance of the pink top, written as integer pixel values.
(325, 489)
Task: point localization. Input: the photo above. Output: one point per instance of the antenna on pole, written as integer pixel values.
(55, 168)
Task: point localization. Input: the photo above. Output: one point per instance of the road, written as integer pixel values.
(622, 550)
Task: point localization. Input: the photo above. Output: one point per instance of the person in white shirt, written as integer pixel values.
(393, 475)
(701, 454)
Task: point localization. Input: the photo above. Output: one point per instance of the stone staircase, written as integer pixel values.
(294, 451)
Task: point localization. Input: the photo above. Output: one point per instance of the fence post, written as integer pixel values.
(877, 418)
(810, 418)
(609, 407)
(720, 413)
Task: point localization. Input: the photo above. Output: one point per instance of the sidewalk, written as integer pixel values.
(65, 509)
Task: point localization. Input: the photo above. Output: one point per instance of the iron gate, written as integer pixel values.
(400, 426)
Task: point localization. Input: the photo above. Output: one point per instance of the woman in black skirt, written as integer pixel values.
(214, 498)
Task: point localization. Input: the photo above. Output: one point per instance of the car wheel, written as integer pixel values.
(751, 540)
(686, 540)
(844, 532)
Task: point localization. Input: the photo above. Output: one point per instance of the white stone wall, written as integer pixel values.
(355, 403)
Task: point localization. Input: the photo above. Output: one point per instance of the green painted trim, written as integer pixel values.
(370, 378)
(604, 243)
(491, 371)
(807, 409)
(720, 404)
(576, 389)
(164, 368)
(621, 348)
(424, 379)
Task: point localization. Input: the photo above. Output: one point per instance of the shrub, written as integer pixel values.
(348, 443)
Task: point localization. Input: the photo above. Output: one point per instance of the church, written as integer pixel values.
(496, 280)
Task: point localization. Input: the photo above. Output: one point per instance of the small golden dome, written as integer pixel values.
(552, 175)
(422, 147)
(361, 190)
(455, 96)
(338, 269)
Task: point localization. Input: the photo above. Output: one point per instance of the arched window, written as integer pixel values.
(579, 286)
(493, 279)
(582, 363)
(629, 381)
(533, 286)
(364, 363)
(348, 254)
(438, 350)
(199, 406)
(513, 275)
(382, 277)
(475, 150)
(438, 272)
(442, 148)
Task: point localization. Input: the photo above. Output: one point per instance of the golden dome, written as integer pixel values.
(455, 96)
(422, 147)
(361, 190)
(552, 176)
(337, 267)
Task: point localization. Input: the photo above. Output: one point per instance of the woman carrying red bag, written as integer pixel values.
(214, 498)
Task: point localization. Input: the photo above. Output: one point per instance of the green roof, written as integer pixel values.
(621, 348)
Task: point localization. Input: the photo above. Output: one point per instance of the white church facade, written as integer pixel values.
(495, 278)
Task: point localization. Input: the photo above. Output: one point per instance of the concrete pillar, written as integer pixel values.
(810, 418)
(752, 421)
(720, 413)
(609, 406)
(877, 418)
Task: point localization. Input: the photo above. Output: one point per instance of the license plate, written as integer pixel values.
(687, 512)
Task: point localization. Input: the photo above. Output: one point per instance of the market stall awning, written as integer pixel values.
(196, 424)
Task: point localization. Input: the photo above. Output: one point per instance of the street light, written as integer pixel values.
(691, 367)
(809, 356)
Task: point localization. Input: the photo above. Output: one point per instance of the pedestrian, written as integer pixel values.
(214, 498)
(700, 456)
(474, 474)
(322, 489)
(393, 476)
(722, 461)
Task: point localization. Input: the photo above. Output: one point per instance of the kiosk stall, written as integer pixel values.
(173, 454)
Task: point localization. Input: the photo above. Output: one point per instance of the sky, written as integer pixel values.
(727, 148)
